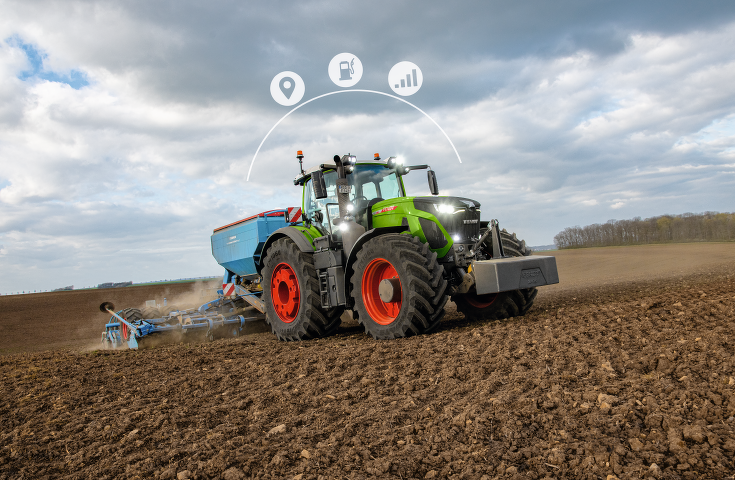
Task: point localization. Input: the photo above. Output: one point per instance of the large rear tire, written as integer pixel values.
(291, 295)
(498, 306)
(416, 284)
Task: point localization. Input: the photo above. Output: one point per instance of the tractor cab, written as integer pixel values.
(369, 184)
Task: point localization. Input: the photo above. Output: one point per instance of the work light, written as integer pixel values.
(444, 208)
(349, 160)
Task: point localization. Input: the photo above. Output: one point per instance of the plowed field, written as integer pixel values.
(625, 369)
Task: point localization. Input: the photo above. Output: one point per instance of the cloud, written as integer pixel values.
(127, 130)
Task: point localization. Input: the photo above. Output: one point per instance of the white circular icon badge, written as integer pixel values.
(287, 88)
(345, 70)
(405, 78)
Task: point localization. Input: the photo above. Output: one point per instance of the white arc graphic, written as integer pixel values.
(252, 162)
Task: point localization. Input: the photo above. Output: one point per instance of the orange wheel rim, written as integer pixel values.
(381, 312)
(285, 293)
(481, 301)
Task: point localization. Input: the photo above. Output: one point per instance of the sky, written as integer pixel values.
(127, 128)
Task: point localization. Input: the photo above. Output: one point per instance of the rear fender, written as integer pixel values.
(299, 235)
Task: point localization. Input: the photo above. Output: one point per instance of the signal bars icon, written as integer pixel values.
(405, 78)
(407, 82)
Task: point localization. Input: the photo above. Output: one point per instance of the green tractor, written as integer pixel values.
(393, 260)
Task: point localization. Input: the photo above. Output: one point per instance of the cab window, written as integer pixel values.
(367, 182)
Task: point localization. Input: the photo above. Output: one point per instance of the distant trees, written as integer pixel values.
(688, 227)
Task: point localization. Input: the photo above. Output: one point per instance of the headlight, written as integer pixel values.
(456, 238)
(444, 208)
(343, 226)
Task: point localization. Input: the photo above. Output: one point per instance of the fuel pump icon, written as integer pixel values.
(346, 69)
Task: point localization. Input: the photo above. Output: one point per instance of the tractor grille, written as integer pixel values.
(465, 224)
(464, 221)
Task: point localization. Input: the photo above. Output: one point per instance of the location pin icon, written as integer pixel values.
(287, 86)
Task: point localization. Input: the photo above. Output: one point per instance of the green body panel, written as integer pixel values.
(404, 208)
(309, 233)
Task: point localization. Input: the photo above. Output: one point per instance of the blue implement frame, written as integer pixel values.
(120, 332)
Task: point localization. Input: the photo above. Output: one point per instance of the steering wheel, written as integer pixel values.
(360, 203)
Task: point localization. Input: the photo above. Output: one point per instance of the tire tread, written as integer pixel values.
(315, 321)
(424, 281)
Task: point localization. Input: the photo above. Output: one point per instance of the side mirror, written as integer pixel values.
(320, 188)
(433, 186)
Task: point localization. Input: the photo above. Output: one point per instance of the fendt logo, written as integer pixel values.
(383, 210)
(467, 222)
(531, 273)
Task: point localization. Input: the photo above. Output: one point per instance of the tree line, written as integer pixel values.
(688, 227)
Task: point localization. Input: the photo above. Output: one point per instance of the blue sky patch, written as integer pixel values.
(75, 78)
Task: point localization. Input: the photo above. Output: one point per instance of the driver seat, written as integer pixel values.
(369, 213)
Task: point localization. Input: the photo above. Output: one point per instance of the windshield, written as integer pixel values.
(368, 182)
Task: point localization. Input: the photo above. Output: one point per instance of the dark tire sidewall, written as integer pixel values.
(472, 312)
(506, 302)
(378, 330)
(405, 322)
(281, 253)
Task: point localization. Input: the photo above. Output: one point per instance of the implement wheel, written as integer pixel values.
(132, 315)
(398, 287)
(291, 295)
(498, 306)
(150, 312)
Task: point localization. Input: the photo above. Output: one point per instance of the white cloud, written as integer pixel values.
(125, 178)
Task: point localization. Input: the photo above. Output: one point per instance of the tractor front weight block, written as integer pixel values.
(513, 273)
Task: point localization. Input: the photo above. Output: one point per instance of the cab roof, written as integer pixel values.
(301, 178)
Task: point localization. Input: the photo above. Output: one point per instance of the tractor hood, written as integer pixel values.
(446, 204)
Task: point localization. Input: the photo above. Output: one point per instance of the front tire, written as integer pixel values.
(291, 295)
(498, 306)
(417, 287)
